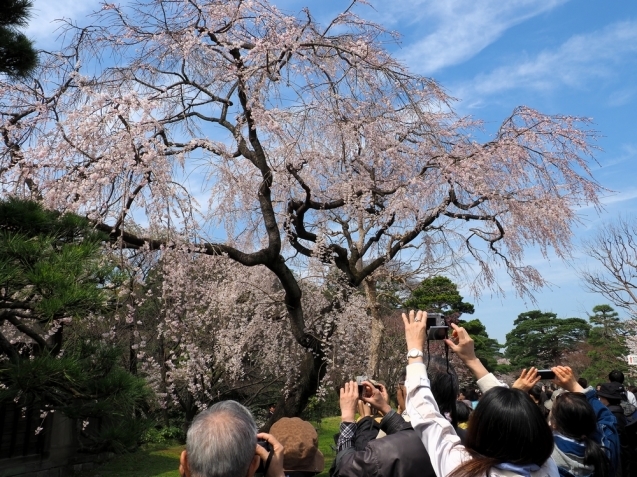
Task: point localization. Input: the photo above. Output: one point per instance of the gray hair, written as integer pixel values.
(221, 441)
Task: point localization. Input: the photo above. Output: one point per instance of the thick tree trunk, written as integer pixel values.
(377, 331)
(310, 375)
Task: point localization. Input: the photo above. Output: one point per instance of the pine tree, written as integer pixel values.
(18, 57)
(541, 339)
(439, 295)
(606, 343)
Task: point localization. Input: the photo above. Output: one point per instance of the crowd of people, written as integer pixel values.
(527, 430)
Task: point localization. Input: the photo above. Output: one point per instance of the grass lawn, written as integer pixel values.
(143, 463)
(165, 462)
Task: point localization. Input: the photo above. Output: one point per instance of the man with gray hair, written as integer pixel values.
(222, 442)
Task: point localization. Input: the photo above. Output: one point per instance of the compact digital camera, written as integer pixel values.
(437, 328)
(263, 466)
(361, 388)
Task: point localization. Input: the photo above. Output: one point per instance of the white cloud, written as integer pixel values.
(461, 28)
(622, 96)
(574, 64)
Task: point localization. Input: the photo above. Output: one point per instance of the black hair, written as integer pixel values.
(536, 392)
(472, 395)
(616, 376)
(506, 426)
(463, 412)
(444, 386)
(583, 382)
(573, 417)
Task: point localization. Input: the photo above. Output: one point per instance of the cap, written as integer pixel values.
(300, 443)
(612, 391)
(548, 404)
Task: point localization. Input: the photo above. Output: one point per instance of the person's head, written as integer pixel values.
(611, 393)
(536, 393)
(573, 417)
(221, 442)
(506, 426)
(444, 385)
(462, 394)
(616, 376)
(463, 412)
(472, 395)
(583, 382)
(301, 456)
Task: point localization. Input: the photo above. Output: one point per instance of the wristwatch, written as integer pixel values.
(415, 353)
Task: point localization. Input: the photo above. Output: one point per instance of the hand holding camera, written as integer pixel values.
(462, 344)
(527, 379)
(376, 395)
(270, 451)
(348, 400)
(565, 378)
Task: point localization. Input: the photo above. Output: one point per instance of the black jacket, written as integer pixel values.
(399, 454)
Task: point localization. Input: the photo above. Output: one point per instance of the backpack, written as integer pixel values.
(630, 411)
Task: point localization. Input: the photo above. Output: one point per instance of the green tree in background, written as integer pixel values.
(18, 57)
(54, 273)
(441, 295)
(606, 344)
(541, 339)
(52, 270)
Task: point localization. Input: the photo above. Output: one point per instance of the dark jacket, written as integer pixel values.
(400, 453)
(625, 451)
(607, 434)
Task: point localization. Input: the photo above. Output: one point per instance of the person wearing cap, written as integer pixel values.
(611, 395)
(301, 455)
(616, 376)
(222, 442)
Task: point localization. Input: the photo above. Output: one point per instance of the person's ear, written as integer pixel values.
(254, 465)
(184, 470)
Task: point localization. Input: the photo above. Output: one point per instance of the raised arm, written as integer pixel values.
(435, 431)
(462, 344)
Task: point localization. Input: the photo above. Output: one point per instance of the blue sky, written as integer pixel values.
(557, 56)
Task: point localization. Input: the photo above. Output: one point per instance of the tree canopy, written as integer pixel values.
(52, 271)
(439, 294)
(541, 339)
(55, 275)
(606, 345)
(230, 128)
(614, 248)
(487, 349)
(18, 57)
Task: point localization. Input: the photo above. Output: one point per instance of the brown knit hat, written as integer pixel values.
(300, 440)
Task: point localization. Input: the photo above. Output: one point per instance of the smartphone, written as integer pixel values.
(546, 374)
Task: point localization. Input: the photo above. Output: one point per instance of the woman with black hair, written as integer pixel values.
(507, 434)
(584, 430)
(581, 425)
(576, 450)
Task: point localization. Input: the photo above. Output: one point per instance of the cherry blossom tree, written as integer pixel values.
(229, 128)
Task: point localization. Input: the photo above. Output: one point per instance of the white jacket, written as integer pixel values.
(437, 433)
